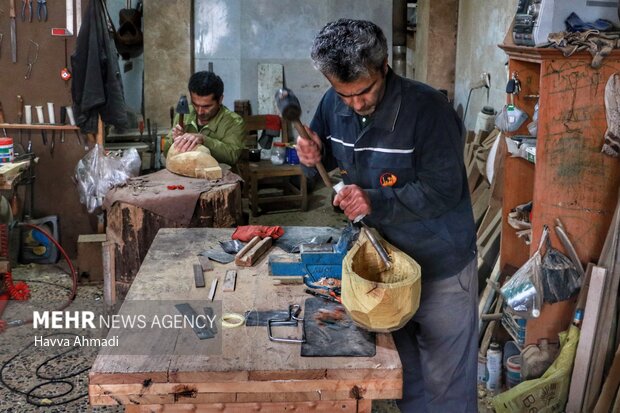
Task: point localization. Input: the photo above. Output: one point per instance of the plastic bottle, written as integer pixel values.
(482, 369)
(278, 153)
(486, 120)
(494, 368)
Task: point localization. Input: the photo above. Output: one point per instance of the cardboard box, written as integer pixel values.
(90, 260)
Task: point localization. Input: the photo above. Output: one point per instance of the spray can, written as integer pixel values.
(494, 368)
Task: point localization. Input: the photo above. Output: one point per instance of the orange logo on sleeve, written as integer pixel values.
(388, 179)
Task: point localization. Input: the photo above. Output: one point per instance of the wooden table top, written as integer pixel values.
(250, 367)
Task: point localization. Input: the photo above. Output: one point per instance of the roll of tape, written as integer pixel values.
(232, 320)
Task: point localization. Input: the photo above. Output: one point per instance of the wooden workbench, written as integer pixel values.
(251, 373)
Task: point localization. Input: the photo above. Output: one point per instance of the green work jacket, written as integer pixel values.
(224, 135)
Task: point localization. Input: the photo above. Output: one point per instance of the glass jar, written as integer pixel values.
(278, 153)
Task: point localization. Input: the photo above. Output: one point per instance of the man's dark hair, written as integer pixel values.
(349, 49)
(205, 83)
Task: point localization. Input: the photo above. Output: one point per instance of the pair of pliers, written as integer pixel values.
(27, 4)
(42, 10)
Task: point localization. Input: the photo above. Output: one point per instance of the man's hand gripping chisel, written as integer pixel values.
(289, 107)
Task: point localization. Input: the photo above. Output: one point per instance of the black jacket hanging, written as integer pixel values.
(97, 87)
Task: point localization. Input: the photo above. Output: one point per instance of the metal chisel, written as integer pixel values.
(28, 116)
(20, 114)
(41, 119)
(50, 113)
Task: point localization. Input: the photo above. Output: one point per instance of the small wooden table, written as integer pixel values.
(250, 373)
(278, 176)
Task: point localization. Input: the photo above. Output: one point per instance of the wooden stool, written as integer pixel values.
(278, 176)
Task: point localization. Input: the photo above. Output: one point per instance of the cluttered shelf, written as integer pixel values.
(572, 180)
(40, 126)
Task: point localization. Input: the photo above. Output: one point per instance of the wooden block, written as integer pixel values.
(90, 259)
(212, 173)
(250, 254)
(576, 394)
(230, 280)
(199, 278)
(205, 263)
(5, 266)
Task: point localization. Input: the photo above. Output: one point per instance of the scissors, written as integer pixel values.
(42, 10)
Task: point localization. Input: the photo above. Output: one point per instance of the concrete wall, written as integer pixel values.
(167, 56)
(482, 25)
(435, 43)
(237, 35)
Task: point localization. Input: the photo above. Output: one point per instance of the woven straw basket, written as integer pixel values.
(378, 299)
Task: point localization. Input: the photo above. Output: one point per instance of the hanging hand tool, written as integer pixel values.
(33, 55)
(71, 117)
(20, 114)
(27, 5)
(63, 121)
(68, 29)
(28, 116)
(182, 109)
(52, 116)
(42, 10)
(13, 32)
(65, 74)
(41, 120)
(1, 37)
(2, 119)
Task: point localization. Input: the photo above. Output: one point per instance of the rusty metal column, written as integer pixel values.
(399, 37)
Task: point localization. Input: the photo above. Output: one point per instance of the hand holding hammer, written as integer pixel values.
(289, 107)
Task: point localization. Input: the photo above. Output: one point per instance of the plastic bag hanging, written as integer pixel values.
(523, 291)
(559, 277)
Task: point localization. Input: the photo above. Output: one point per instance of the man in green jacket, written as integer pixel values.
(208, 123)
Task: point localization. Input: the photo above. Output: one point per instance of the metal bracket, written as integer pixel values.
(292, 320)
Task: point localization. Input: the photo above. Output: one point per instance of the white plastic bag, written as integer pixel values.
(510, 118)
(523, 291)
(96, 173)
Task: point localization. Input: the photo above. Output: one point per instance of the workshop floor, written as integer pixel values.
(30, 377)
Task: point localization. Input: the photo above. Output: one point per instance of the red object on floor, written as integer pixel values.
(4, 301)
(247, 232)
(17, 291)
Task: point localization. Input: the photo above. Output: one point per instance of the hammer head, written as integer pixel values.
(182, 109)
(183, 106)
(288, 104)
